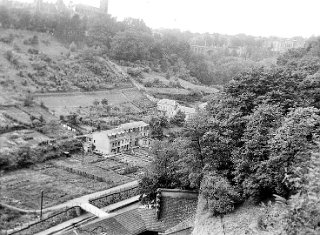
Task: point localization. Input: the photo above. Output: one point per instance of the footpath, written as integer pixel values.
(77, 201)
(110, 211)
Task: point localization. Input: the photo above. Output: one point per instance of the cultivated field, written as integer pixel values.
(64, 103)
(21, 138)
(22, 188)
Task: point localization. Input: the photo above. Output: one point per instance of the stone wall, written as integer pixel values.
(115, 197)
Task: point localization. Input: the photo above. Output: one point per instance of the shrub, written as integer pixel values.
(35, 40)
(73, 47)
(33, 51)
(16, 47)
(28, 100)
(148, 84)
(12, 58)
(8, 55)
(7, 39)
(130, 170)
(221, 196)
(45, 42)
(32, 41)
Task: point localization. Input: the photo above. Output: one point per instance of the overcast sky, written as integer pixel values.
(284, 18)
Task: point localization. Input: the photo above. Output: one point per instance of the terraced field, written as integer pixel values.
(64, 103)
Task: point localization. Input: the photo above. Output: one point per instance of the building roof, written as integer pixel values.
(132, 222)
(178, 210)
(122, 128)
(187, 110)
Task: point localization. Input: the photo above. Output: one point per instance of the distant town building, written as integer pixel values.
(170, 108)
(104, 5)
(207, 46)
(282, 45)
(122, 138)
(46, 7)
(85, 10)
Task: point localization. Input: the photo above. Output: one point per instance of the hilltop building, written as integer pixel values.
(170, 108)
(104, 5)
(45, 7)
(216, 43)
(85, 10)
(122, 138)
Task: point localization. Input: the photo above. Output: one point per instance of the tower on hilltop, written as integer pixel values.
(38, 5)
(104, 6)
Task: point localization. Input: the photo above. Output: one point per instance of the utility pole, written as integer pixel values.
(41, 205)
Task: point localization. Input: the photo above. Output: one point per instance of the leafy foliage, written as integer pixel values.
(179, 118)
(255, 138)
(220, 195)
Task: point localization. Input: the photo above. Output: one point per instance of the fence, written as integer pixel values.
(83, 173)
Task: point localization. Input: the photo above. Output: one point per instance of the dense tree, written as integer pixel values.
(179, 118)
(131, 45)
(156, 125)
(291, 146)
(220, 195)
(164, 172)
(101, 30)
(5, 18)
(255, 150)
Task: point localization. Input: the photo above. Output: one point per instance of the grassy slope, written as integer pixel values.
(8, 72)
(59, 70)
(185, 84)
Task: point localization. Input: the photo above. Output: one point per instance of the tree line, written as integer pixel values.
(166, 51)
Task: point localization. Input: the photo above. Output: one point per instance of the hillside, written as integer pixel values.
(37, 62)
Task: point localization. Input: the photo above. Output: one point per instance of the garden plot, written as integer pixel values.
(95, 172)
(38, 111)
(21, 138)
(16, 115)
(131, 160)
(22, 188)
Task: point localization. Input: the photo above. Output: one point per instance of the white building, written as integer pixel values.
(122, 138)
(171, 107)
